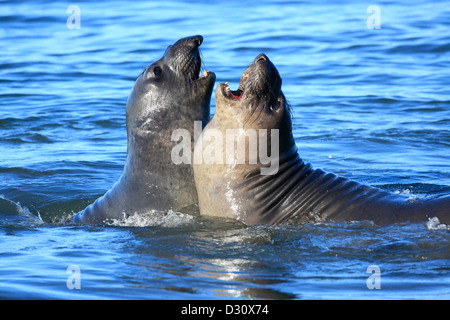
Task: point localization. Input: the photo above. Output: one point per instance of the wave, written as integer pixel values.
(10, 210)
(27, 138)
(420, 48)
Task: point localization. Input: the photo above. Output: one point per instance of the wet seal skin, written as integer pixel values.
(169, 94)
(294, 192)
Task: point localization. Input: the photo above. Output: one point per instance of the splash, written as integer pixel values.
(154, 218)
(412, 197)
(434, 224)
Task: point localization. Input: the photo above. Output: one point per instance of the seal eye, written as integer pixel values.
(157, 71)
(275, 106)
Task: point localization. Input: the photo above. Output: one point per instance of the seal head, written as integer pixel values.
(259, 94)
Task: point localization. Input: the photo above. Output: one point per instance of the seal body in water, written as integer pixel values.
(292, 192)
(167, 95)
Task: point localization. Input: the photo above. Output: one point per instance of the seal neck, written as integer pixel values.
(270, 192)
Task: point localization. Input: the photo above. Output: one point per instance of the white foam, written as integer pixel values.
(153, 218)
(434, 224)
(404, 191)
(412, 197)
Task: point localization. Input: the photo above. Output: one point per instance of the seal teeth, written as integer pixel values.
(204, 74)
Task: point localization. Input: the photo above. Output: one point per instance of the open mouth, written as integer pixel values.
(233, 94)
(239, 93)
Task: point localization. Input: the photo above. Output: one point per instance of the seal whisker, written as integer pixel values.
(140, 74)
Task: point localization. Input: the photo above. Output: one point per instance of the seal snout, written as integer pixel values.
(197, 41)
(184, 56)
(192, 42)
(261, 57)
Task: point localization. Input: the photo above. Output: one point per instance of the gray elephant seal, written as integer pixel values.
(294, 192)
(167, 95)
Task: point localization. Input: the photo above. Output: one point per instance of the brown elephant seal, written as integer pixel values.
(293, 192)
(167, 95)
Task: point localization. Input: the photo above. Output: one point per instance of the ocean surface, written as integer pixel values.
(370, 104)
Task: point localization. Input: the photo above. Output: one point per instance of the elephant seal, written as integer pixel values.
(294, 192)
(169, 94)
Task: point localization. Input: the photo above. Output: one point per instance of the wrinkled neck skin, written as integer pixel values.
(300, 194)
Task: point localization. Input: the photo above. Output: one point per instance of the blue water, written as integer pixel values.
(372, 105)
